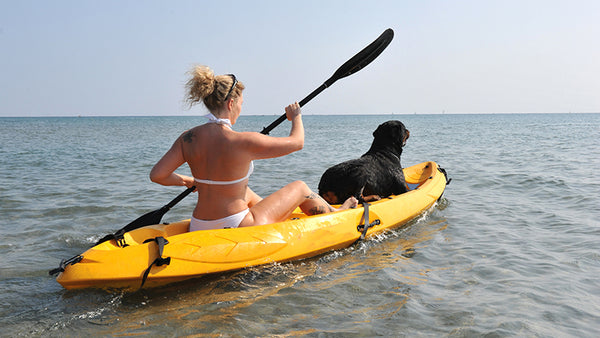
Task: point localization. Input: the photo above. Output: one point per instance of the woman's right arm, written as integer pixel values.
(293, 113)
(262, 146)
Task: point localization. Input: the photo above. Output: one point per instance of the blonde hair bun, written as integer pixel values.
(200, 85)
(211, 89)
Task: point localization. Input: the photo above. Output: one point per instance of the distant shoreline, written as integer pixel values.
(275, 115)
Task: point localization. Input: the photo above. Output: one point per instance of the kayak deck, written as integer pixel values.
(193, 254)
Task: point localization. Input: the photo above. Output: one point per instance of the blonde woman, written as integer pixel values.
(220, 160)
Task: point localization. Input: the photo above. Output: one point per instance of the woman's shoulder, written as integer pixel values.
(250, 137)
(190, 134)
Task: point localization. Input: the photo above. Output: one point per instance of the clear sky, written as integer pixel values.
(105, 57)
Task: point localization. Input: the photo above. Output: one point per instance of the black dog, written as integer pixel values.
(375, 175)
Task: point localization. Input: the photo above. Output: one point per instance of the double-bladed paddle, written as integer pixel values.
(356, 63)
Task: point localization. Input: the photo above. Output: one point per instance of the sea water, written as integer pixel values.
(512, 249)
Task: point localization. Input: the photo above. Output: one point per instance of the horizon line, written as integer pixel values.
(309, 114)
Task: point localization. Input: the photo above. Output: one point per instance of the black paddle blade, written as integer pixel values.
(153, 217)
(356, 63)
(363, 58)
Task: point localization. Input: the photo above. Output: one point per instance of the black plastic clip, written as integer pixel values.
(118, 236)
(63, 264)
(361, 227)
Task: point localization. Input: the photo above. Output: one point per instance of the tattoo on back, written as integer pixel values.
(187, 137)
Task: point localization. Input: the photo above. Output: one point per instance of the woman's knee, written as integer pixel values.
(300, 186)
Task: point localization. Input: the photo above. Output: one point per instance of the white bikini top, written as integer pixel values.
(250, 170)
(214, 119)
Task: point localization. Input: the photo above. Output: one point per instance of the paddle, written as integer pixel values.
(153, 217)
(356, 63)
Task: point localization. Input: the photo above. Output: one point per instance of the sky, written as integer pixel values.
(131, 58)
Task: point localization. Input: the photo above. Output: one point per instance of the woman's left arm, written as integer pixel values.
(163, 171)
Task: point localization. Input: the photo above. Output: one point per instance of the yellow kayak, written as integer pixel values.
(159, 254)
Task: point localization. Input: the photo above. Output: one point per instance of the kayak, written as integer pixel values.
(159, 254)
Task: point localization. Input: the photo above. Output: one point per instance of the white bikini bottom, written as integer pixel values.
(232, 221)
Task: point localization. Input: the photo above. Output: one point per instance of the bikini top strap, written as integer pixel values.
(250, 171)
(213, 119)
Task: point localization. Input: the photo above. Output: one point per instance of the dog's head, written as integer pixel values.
(391, 134)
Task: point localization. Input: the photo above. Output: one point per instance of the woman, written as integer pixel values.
(221, 161)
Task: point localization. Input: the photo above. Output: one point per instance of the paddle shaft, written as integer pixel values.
(283, 117)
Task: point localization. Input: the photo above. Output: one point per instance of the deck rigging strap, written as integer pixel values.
(366, 225)
(443, 171)
(159, 261)
(366, 218)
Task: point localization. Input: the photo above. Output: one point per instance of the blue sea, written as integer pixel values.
(512, 249)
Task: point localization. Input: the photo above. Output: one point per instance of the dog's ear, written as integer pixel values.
(393, 132)
(379, 132)
(384, 131)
